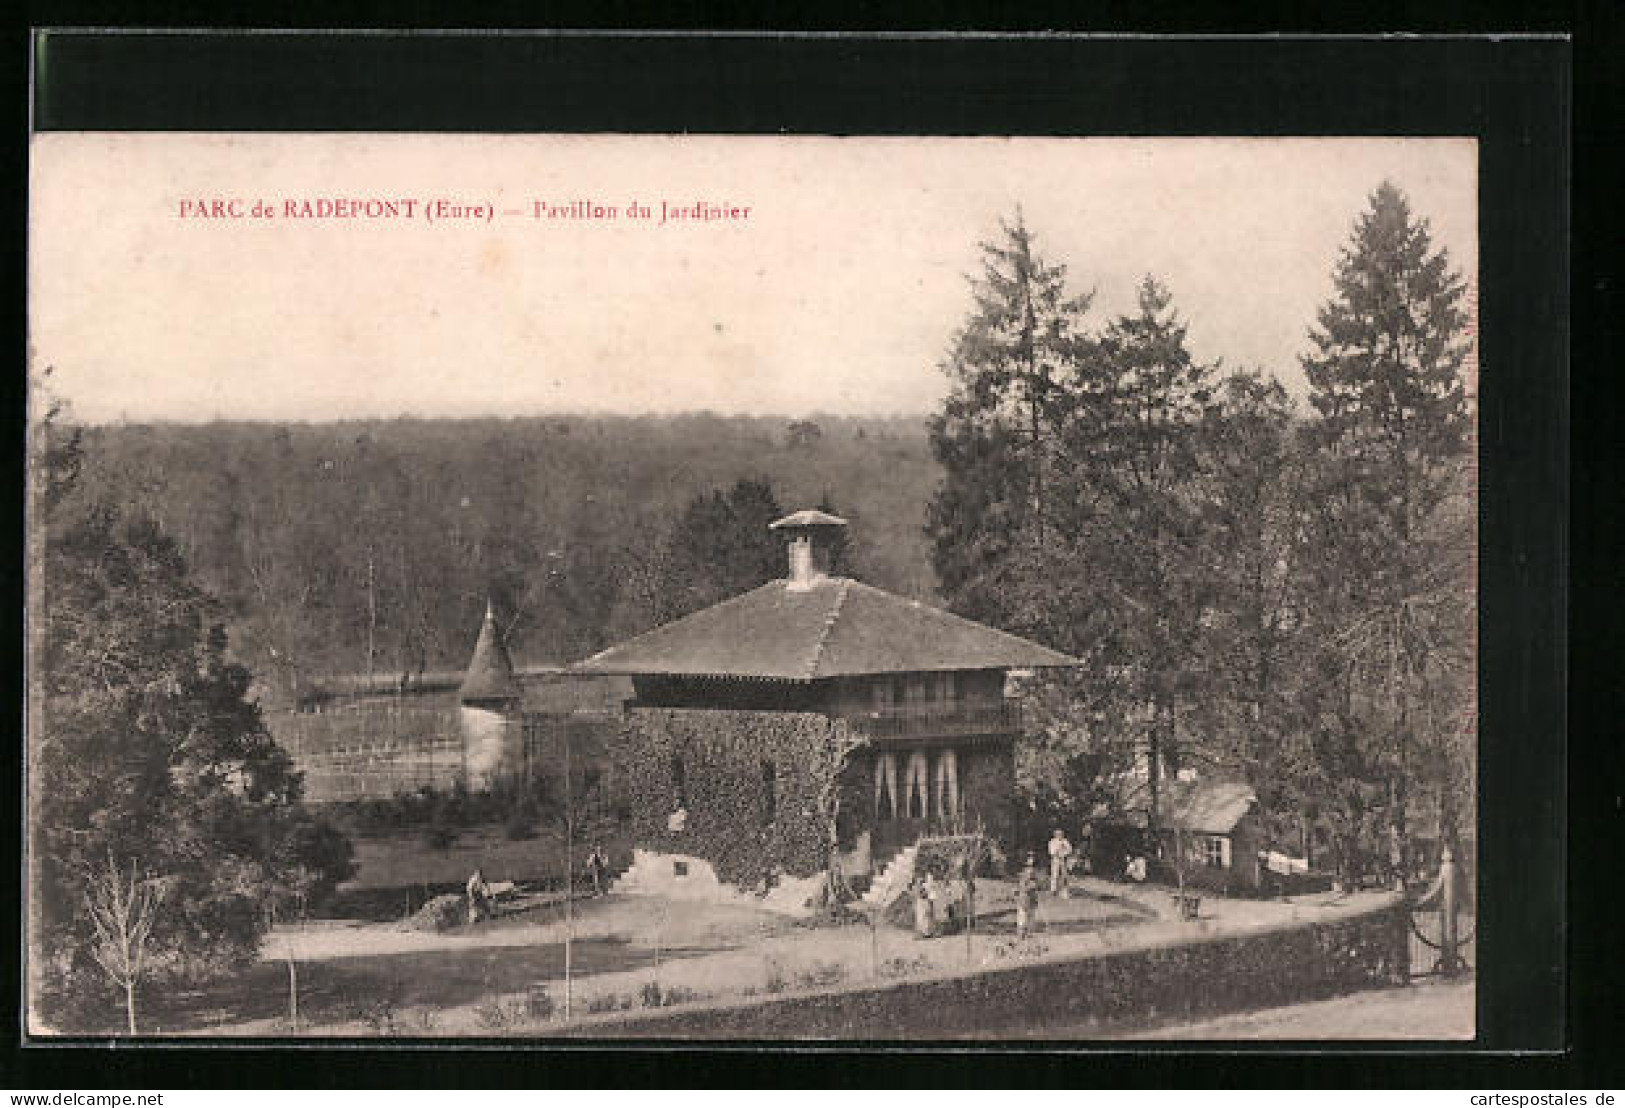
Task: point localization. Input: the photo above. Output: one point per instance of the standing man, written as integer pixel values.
(478, 896)
(1060, 856)
(598, 868)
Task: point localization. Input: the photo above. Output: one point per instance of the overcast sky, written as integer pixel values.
(839, 293)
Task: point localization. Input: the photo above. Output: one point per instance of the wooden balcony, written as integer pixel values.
(939, 721)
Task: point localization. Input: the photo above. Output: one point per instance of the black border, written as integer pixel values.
(1512, 94)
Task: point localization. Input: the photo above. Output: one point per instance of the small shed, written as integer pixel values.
(1214, 827)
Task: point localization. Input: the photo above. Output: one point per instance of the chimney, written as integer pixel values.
(810, 536)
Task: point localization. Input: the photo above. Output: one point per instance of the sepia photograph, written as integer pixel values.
(708, 588)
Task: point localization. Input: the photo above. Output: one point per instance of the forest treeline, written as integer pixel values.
(372, 546)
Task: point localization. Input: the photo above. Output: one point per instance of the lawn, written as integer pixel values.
(359, 978)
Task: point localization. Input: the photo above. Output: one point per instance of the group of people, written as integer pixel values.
(941, 904)
(1062, 858)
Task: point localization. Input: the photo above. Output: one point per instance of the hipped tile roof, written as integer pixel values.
(834, 627)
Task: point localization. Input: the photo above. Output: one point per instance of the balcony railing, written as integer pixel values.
(995, 717)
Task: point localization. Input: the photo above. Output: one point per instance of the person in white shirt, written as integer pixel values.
(1060, 856)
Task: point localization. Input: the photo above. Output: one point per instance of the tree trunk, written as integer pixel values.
(129, 1001)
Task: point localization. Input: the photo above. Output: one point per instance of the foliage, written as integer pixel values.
(502, 1014)
(722, 755)
(539, 1003)
(609, 1002)
(521, 822)
(440, 834)
(721, 546)
(1254, 595)
(1180, 980)
(321, 537)
(1391, 516)
(146, 749)
(1011, 367)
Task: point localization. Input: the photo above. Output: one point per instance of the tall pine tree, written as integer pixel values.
(1394, 594)
(1012, 368)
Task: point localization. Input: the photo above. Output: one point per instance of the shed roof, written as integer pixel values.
(833, 627)
(490, 672)
(808, 517)
(1208, 807)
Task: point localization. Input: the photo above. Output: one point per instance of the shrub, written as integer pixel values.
(521, 823)
(822, 975)
(539, 1003)
(903, 967)
(775, 981)
(677, 995)
(650, 993)
(421, 1021)
(383, 1015)
(609, 1002)
(497, 1014)
(440, 835)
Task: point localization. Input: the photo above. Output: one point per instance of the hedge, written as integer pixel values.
(1262, 969)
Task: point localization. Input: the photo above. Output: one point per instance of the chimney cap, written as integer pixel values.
(808, 517)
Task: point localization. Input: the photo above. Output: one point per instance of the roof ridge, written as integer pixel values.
(829, 625)
(986, 627)
(662, 627)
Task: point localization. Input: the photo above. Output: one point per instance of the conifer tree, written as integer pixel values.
(1394, 591)
(1135, 445)
(1012, 367)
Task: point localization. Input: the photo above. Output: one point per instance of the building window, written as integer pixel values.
(679, 781)
(770, 793)
(917, 785)
(916, 692)
(886, 787)
(948, 785)
(1216, 851)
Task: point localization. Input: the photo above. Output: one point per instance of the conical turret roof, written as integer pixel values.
(490, 671)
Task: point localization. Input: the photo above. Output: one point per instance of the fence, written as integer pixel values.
(372, 750)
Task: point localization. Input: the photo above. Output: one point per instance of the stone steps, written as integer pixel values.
(893, 881)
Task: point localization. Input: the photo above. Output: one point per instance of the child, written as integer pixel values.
(1026, 898)
(925, 909)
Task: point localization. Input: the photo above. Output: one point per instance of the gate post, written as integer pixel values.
(1450, 960)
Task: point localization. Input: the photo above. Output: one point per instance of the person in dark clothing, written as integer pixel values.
(598, 869)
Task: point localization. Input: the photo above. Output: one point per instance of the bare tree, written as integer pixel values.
(123, 912)
(830, 760)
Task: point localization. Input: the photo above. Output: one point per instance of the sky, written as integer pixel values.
(838, 291)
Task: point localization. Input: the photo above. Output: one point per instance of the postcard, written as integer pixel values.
(713, 588)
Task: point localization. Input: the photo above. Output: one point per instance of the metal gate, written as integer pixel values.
(1441, 932)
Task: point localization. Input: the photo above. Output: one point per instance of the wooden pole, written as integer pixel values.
(569, 869)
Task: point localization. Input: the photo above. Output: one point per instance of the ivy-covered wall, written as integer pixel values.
(987, 775)
(725, 758)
